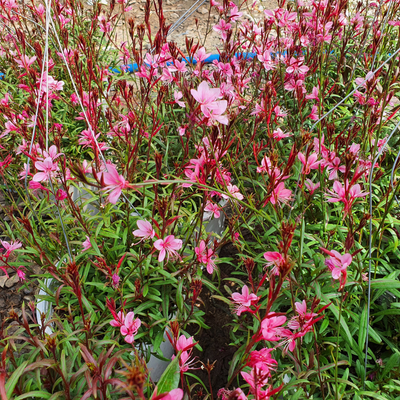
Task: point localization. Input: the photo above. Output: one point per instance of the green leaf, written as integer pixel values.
(391, 364)
(12, 382)
(170, 378)
(37, 393)
(372, 394)
(179, 297)
(222, 298)
(362, 333)
(385, 284)
(348, 336)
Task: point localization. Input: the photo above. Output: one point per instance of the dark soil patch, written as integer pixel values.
(215, 341)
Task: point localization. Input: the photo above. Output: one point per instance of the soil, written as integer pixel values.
(215, 341)
(197, 26)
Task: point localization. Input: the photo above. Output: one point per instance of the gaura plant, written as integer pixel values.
(290, 133)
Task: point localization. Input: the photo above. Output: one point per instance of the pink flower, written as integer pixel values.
(234, 192)
(213, 208)
(222, 27)
(262, 360)
(130, 327)
(52, 153)
(118, 320)
(345, 194)
(168, 246)
(115, 183)
(360, 97)
(280, 194)
(48, 167)
(309, 163)
(10, 247)
(177, 97)
(334, 167)
(338, 264)
(204, 94)
(278, 134)
(115, 281)
(257, 379)
(205, 256)
(180, 66)
(279, 113)
(185, 345)
(25, 61)
(235, 13)
(314, 113)
(338, 193)
(174, 394)
(368, 77)
(87, 139)
(213, 111)
(201, 55)
(296, 67)
(86, 244)
(104, 25)
(244, 300)
(311, 186)
(271, 328)
(314, 95)
(35, 186)
(182, 130)
(145, 230)
(61, 195)
(303, 318)
(21, 274)
(274, 259)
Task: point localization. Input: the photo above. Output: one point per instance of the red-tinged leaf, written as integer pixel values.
(330, 90)
(87, 356)
(38, 343)
(393, 114)
(324, 308)
(87, 394)
(356, 252)
(79, 373)
(278, 389)
(169, 337)
(327, 252)
(114, 381)
(314, 321)
(40, 364)
(25, 320)
(94, 388)
(172, 220)
(3, 393)
(58, 291)
(111, 363)
(88, 378)
(262, 281)
(156, 224)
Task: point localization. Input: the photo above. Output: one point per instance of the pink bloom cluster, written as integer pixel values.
(186, 346)
(338, 264)
(128, 324)
(212, 108)
(205, 256)
(244, 301)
